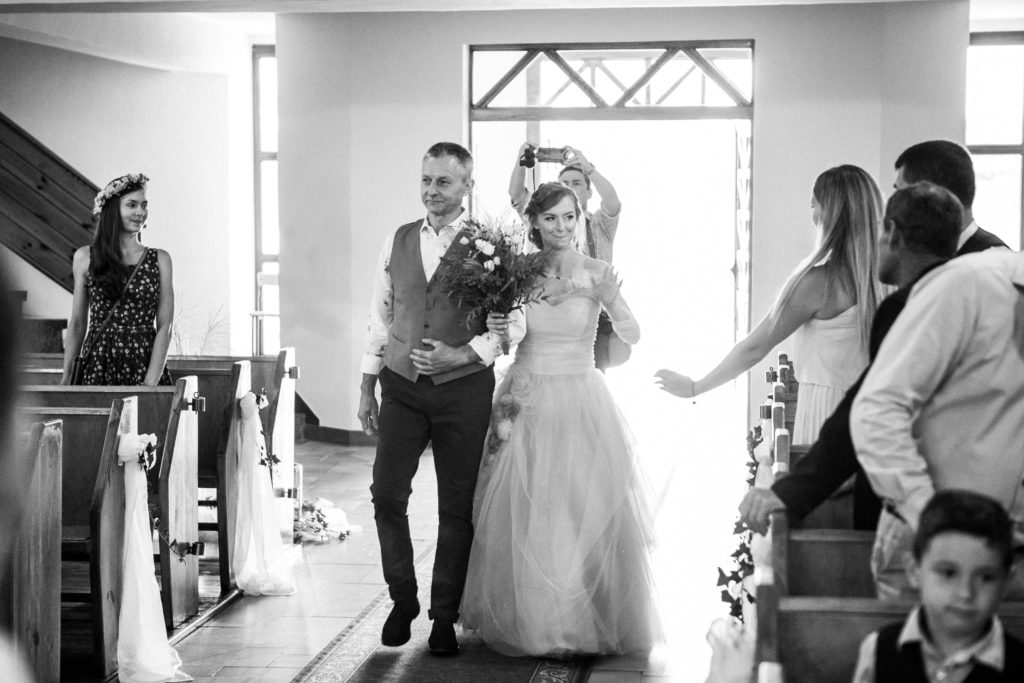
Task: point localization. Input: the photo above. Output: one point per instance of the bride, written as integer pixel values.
(559, 564)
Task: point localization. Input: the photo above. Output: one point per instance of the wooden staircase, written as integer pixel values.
(45, 204)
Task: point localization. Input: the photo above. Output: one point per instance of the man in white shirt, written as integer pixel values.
(437, 379)
(943, 404)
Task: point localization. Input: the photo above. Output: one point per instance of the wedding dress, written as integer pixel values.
(559, 564)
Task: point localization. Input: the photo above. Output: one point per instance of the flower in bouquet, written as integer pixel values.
(493, 274)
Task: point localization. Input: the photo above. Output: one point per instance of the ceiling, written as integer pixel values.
(256, 15)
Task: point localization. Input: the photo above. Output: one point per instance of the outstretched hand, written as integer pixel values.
(675, 384)
(440, 357)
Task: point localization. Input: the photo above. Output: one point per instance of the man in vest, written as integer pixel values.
(436, 379)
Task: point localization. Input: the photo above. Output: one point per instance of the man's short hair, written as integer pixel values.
(927, 217)
(966, 512)
(452, 149)
(570, 167)
(942, 162)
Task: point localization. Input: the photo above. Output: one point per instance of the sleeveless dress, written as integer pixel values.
(559, 564)
(120, 357)
(828, 357)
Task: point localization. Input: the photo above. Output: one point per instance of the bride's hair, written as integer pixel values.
(851, 215)
(543, 198)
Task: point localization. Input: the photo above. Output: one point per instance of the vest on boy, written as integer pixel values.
(905, 664)
(424, 309)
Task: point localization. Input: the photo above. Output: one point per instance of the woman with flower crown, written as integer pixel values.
(123, 302)
(559, 564)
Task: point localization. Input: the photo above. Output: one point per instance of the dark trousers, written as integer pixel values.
(453, 417)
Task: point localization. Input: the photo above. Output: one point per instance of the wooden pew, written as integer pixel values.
(227, 476)
(168, 413)
(30, 567)
(821, 636)
(92, 511)
(219, 387)
(222, 382)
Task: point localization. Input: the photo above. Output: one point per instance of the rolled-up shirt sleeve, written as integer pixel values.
(921, 350)
(378, 327)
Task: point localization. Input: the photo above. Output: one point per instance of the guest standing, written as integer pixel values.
(827, 304)
(121, 288)
(560, 558)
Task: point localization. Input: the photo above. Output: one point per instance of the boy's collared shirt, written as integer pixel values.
(989, 650)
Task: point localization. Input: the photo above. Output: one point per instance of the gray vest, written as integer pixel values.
(423, 309)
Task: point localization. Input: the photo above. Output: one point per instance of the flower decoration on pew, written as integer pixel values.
(490, 272)
(147, 457)
(742, 564)
(266, 459)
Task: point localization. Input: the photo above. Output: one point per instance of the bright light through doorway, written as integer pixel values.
(675, 252)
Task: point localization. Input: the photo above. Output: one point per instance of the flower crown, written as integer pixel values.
(116, 187)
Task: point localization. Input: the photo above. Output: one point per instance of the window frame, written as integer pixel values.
(1003, 38)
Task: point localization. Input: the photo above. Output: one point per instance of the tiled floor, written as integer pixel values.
(273, 638)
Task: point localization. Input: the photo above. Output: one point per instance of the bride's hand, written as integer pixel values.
(676, 384)
(497, 323)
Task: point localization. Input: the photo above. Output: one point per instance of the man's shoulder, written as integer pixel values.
(980, 241)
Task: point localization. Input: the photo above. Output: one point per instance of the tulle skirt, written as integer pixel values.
(559, 564)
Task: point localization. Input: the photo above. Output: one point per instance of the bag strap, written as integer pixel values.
(113, 309)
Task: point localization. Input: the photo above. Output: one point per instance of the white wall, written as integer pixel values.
(363, 95)
(170, 96)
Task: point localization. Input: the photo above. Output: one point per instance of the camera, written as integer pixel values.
(532, 155)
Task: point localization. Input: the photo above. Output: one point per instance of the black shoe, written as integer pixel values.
(442, 641)
(396, 628)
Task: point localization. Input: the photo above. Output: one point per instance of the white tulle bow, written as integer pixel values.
(140, 448)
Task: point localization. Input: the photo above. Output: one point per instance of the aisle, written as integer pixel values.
(273, 638)
(693, 454)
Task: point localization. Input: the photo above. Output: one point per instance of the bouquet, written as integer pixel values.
(494, 275)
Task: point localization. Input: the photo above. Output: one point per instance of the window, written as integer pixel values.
(266, 324)
(995, 131)
(669, 126)
(661, 120)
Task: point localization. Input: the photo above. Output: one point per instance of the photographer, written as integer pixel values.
(595, 235)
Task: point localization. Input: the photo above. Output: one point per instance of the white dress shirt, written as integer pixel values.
(943, 404)
(433, 246)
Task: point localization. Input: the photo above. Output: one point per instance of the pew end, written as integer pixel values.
(30, 565)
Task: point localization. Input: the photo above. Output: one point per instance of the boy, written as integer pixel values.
(961, 563)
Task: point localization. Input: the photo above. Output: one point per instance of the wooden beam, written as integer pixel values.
(516, 69)
(664, 59)
(560, 62)
(609, 113)
(717, 76)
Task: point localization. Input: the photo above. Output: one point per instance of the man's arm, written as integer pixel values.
(823, 469)
(610, 203)
(518, 193)
(377, 331)
(920, 351)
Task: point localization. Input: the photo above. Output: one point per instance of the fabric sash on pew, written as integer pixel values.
(260, 561)
(143, 653)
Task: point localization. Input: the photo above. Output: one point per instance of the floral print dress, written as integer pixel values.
(120, 356)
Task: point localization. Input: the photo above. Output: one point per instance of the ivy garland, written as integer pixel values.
(742, 563)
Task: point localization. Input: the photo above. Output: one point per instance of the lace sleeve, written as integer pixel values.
(609, 292)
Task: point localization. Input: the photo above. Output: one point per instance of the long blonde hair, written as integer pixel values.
(851, 213)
